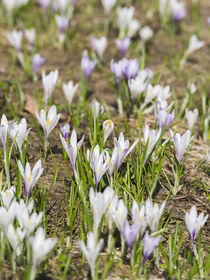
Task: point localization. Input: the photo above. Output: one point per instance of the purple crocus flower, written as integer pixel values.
(129, 233)
(44, 4)
(131, 69)
(123, 45)
(149, 246)
(37, 62)
(181, 143)
(164, 119)
(65, 130)
(194, 222)
(72, 148)
(117, 70)
(87, 66)
(179, 12)
(62, 23)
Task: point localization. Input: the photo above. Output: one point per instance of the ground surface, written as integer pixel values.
(162, 54)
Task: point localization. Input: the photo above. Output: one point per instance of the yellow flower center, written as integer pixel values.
(6, 193)
(48, 122)
(109, 123)
(29, 178)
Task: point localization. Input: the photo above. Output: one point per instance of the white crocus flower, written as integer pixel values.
(191, 117)
(99, 163)
(151, 138)
(26, 220)
(99, 45)
(7, 216)
(194, 223)
(153, 214)
(194, 45)
(139, 84)
(133, 27)
(15, 38)
(41, 246)
(181, 143)
(108, 6)
(7, 197)
(15, 237)
(69, 90)
(146, 33)
(91, 251)
(123, 149)
(139, 218)
(49, 83)
(124, 17)
(48, 122)
(19, 132)
(99, 205)
(191, 87)
(30, 177)
(120, 215)
(72, 148)
(108, 127)
(30, 35)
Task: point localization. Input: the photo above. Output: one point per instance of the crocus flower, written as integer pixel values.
(7, 197)
(30, 35)
(98, 162)
(13, 4)
(62, 22)
(133, 27)
(7, 216)
(139, 218)
(37, 61)
(108, 127)
(145, 33)
(131, 69)
(108, 6)
(91, 251)
(124, 17)
(69, 90)
(49, 83)
(44, 4)
(15, 39)
(49, 121)
(41, 246)
(139, 84)
(181, 143)
(191, 117)
(194, 44)
(117, 70)
(165, 119)
(99, 206)
(179, 11)
(65, 130)
(19, 132)
(96, 108)
(71, 149)
(3, 132)
(194, 223)
(123, 149)
(129, 233)
(123, 45)
(15, 238)
(191, 87)
(30, 177)
(26, 219)
(119, 216)
(149, 246)
(99, 45)
(153, 214)
(87, 66)
(151, 137)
